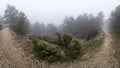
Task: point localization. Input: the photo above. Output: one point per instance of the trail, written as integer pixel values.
(104, 58)
(11, 56)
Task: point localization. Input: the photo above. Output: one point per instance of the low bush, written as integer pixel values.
(67, 38)
(47, 51)
(0, 26)
(74, 49)
(57, 47)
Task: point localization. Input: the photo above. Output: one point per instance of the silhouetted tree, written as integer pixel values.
(11, 14)
(38, 29)
(17, 20)
(115, 19)
(1, 19)
(69, 24)
(50, 28)
(22, 24)
(84, 25)
(1, 22)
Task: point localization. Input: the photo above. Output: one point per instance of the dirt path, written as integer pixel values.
(10, 55)
(104, 58)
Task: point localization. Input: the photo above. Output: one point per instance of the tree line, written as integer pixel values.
(84, 25)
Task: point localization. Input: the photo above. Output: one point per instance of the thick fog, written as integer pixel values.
(54, 11)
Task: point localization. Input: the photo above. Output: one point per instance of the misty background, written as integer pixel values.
(54, 11)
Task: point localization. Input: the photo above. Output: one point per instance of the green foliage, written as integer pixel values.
(16, 19)
(115, 19)
(0, 26)
(50, 38)
(67, 38)
(57, 47)
(74, 49)
(18, 28)
(1, 21)
(47, 51)
(34, 39)
(60, 39)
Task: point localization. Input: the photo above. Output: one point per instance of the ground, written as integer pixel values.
(13, 56)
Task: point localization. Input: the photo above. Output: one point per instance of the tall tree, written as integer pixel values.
(16, 19)
(22, 24)
(1, 21)
(83, 25)
(11, 14)
(115, 19)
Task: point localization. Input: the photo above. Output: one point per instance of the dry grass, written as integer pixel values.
(116, 47)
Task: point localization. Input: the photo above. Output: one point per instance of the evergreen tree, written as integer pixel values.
(115, 19)
(17, 20)
(22, 24)
(11, 14)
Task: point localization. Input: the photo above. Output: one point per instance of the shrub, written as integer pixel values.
(74, 49)
(47, 51)
(67, 38)
(34, 39)
(60, 39)
(0, 26)
(49, 38)
(57, 47)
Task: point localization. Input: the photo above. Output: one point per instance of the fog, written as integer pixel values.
(54, 11)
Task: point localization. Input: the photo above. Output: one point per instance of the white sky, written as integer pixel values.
(48, 11)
